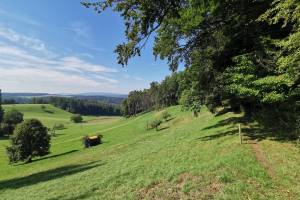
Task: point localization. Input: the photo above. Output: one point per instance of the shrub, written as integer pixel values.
(76, 118)
(59, 126)
(7, 129)
(155, 124)
(55, 128)
(43, 107)
(12, 117)
(30, 139)
(165, 115)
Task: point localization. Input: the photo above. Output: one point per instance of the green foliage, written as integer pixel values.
(83, 105)
(30, 139)
(1, 113)
(7, 129)
(59, 126)
(56, 127)
(155, 124)
(165, 115)
(76, 118)
(243, 52)
(11, 118)
(159, 95)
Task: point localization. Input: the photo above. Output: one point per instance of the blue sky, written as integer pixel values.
(58, 46)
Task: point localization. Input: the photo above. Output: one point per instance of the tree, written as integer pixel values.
(77, 118)
(30, 139)
(237, 51)
(13, 116)
(155, 124)
(10, 119)
(92, 105)
(1, 114)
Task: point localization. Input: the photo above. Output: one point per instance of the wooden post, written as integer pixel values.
(240, 133)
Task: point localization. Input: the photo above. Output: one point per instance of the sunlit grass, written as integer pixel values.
(190, 158)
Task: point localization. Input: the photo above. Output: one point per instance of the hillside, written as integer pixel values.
(189, 158)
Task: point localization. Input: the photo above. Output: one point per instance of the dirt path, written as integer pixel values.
(261, 158)
(283, 192)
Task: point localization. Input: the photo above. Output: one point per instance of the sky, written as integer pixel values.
(59, 46)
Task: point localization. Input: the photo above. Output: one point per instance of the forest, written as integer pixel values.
(244, 54)
(80, 106)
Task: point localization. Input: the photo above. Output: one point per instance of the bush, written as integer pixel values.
(59, 126)
(155, 124)
(165, 115)
(7, 129)
(55, 128)
(77, 118)
(30, 139)
(12, 117)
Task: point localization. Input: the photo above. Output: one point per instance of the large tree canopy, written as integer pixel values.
(246, 51)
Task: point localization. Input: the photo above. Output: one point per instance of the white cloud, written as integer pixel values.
(127, 76)
(20, 18)
(83, 35)
(78, 64)
(25, 41)
(110, 80)
(138, 78)
(24, 66)
(45, 80)
(24, 73)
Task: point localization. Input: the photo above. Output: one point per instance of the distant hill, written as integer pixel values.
(102, 94)
(10, 98)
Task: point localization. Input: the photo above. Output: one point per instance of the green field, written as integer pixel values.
(189, 158)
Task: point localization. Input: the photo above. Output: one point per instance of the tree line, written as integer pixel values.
(80, 106)
(242, 53)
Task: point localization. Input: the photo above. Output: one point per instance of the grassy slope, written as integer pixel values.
(190, 158)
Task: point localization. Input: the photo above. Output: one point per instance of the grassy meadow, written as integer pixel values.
(188, 158)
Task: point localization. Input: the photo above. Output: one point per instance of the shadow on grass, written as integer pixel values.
(223, 111)
(163, 128)
(58, 134)
(49, 111)
(56, 155)
(230, 121)
(48, 175)
(169, 119)
(251, 131)
(47, 157)
(218, 135)
(5, 137)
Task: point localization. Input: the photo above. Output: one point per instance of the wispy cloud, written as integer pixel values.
(127, 76)
(83, 35)
(45, 80)
(81, 65)
(138, 78)
(20, 18)
(28, 42)
(25, 65)
(110, 80)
